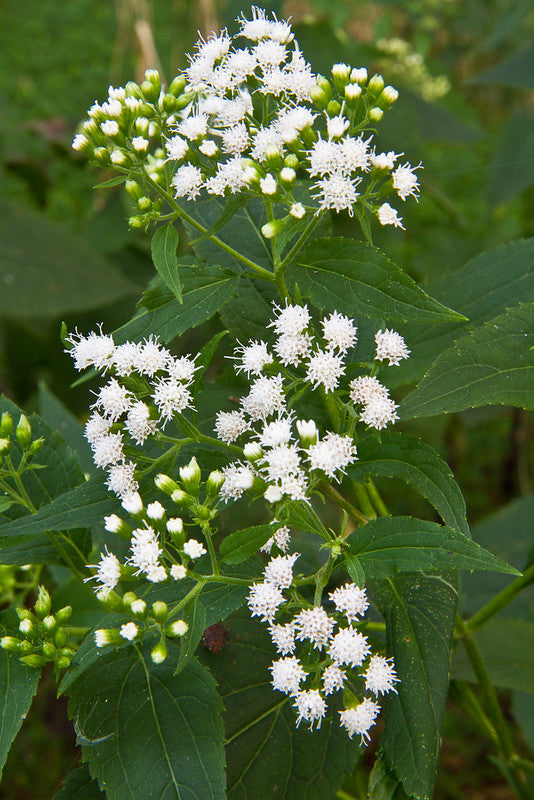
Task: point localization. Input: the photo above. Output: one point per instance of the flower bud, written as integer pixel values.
(291, 161)
(288, 175)
(24, 613)
(49, 623)
(6, 424)
(307, 431)
(333, 108)
(214, 482)
(273, 494)
(136, 222)
(26, 626)
(67, 652)
(49, 649)
(110, 600)
(273, 157)
(353, 92)
(133, 190)
(273, 228)
(178, 85)
(190, 476)
(63, 662)
(319, 97)
(60, 638)
(63, 614)
(341, 76)
(133, 504)
(253, 451)
(375, 114)
(36, 446)
(387, 97)
(43, 604)
(150, 91)
(184, 100)
(375, 86)
(165, 484)
(138, 608)
(4, 445)
(175, 527)
(114, 524)
(10, 643)
(127, 599)
(179, 496)
(23, 432)
(160, 612)
(178, 628)
(358, 75)
(159, 653)
(145, 204)
(101, 155)
(33, 660)
(132, 89)
(105, 637)
(155, 511)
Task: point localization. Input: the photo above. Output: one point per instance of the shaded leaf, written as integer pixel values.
(398, 455)
(357, 279)
(492, 365)
(163, 249)
(508, 176)
(242, 545)
(518, 70)
(58, 416)
(78, 785)
(383, 785)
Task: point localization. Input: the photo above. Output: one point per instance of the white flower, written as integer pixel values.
(252, 357)
(294, 485)
(178, 572)
(324, 158)
(279, 571)
(314, 624)
(113, 399)
(326, 368)
(175, 525)
(155, 510)
(171, 396)
(138, 422)
(297, 210)
(140, 144)
(384, 160)
(281, 461)
(360, 719)
(263, 601)
(108, 450)
(194, 127)
(181, 369)
(108, 572)
(268, 184)
(125, 357)
(233, 175)
(336, 126)
(311, 707)
(237, 479)
(405, 181)
(350, 647)
(287, 674)
(259, 27)
(156, 573)
(387, 215)
(121, 479)
(129, 631)
(176, 148)
(94, 350)
(350, 600)
(229, 425)
(292, 319)
(280, 538)
(187, 181)
(194, 549)
(132, 503)
(378, 412)
(266, 397)
(365, 389)
(283, 637)
(276, 433)
(390, 345)
(337, 192)
(117, 157)
(291, 348)
(152, 357)
(333, 679)
(266, 139)
(208, 148)
(113, 523)
(339, 331)
(235, 139)
(96, 428)
(380, 676)
(353, 155)
(272, 494)
(145, 550)
(110, 127)
(79, 142)
(252, 451)
(332, 453)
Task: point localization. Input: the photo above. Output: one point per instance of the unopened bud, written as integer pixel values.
(175, 527)
(387, 97)
(273, 228)
(33, 660)
(110, 600)
(179, 496)
(155, 511)
(358, 75)
(333, 108)
(63, 662)
(133, 504)
(145, 204)
(273, 157)
(375, 85)
(43, 604)
(114, 524)
(101, 155)
(4, 445)
(138, 608)
(190, 476)
(252, 451)
(178, 85)
(23, 432)
(49, 649)
(60, 638)
(160, 612)
(288, 175)
(341, 76)
(26, 626)
(105, 637)
(36, 446)
(307, 431)
(213, 484)
(63, 614)
(353, 93)
(150, 91)
(127, 599)
(159, 653)
(133, 190)
(6, 424)
(49, 623)
(10, 643)
(165, 484)
(375, 114)
(184, 100)
(178, 628)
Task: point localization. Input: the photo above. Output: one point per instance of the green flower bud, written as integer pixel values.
(6, 424)
(175, 527)
(63, 614)
(4, 445)
(63, 662)
(214, 482)
(138, 608)
(353, 92)
(333, 108)
(136, 222)
(67, 652)
(127, 600)
(387, 97)
(375, 114)
(49, 623)
(60, 638)
(291, 161)
(159, 653)
(358, 75)
(253, 451)
(144, 203)
(178, 628)
(273, 228)
(10, 643)
(165, 484)
(105, 637)
(101, 155)
(43, 604)
(168, 103)
(190, 476)
(178, 85)
(133, 190)
(375, 85)
(49, 649)
(341, 76)
(36, 445)
(132, 89)
(26, 626)
(23, 432)
(179, 496)
(160, 612)
(24, 613)
(184, 100)
(110, 600)
(33, 660)
(150, 91)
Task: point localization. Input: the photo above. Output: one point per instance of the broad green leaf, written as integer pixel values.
(204, 291)
(302, 517)
(45, 271)
(518, 70)
(355, 278)
(242, 545)
(78, 785)
(389, 545)
(398, 455)
(355, 569)
(146, 733)
(249, 312)
(508, 534)
(419, 612)
(267, 757)
(508, 176)
(383, 785)
(482, 289)
(39, 548)
(492, 365)
(507, 648)
(195, 616)
(18, 684)
(85, 505)
(163, 248)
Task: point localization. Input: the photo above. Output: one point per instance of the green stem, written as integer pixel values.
(206, 530)
(189, 596)
(227, 579)
(471, 704)
(338, 498)
(376, 499)
(363, 500)
(500, 600)
(300, 241)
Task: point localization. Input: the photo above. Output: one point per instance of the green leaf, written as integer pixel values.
(492, 365)
(46, 272)
(242, 545)
(58, 416)
(78, 785)
(146, 733)
(419, 612)
(302, 517)
(389, 545)
(507, 648)
(249, 312)
(518, 70)
(355, 569)
(204, 359)
(523, 711)
(195, 616)
(398, 455)
(163, 248)
(18, 684)
(267, 757)
(355, 278)
(204, 291)
(85, 505)
(383, 785)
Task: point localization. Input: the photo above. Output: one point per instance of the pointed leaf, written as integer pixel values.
(355, 278)
(78, 785)
(242, 545)
(389, 545)
(492, 365)
(163, 248)
(398, 455)
(145, 733)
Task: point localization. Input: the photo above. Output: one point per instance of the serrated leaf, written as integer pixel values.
(46, 271)
(389, 545)
(18, 684)
(507, 648)
(398, 455)
(146, 733)
(267, 757)
(492, 365)
(163, 249)
(78, 785)
(242, 545)
(356, 278)
(419, 612)
(204, 291)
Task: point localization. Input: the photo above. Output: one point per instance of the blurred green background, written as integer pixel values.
(465, 71)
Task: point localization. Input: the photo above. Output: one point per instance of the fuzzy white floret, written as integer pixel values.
(332, 453)
(171, 397)
(387, 215)
(237, 479)
(380, 676)
(391, 346)
(194, 549)
(283, 637)
(263, 601)
(279, 571)
(311, 707)
(287, 674)
(121, 479)
(360, 719)
(252, 358)
(129, 631)
(229, 425)
(266, 397)
(350, 600)
(315, 625)
(326, 368)
(339, 331)
(366, 388)
(333, 679)
(379, 412)
(350, 647)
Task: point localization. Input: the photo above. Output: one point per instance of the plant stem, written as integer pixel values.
(363, 500)
(338, 498)
(300, 241)
(206, 530)
(376, 499)
(500, 600)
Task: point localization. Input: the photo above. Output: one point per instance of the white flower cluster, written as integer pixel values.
(120, 418)
(248, 115)
(316, 675)
(146, 557)
(276, 453)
